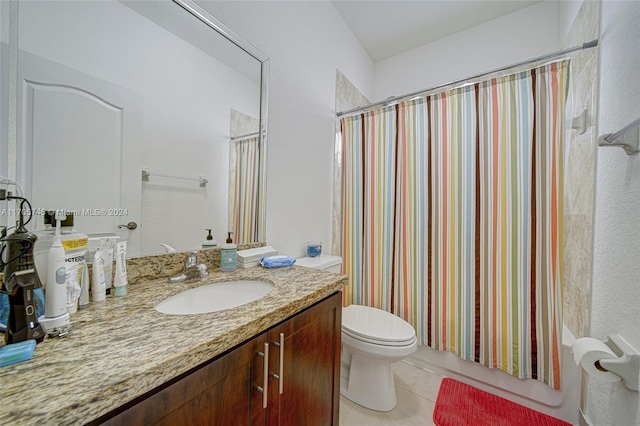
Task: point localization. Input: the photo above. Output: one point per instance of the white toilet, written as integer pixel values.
(372, 339)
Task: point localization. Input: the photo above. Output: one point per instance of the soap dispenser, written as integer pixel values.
(228, 255)
(209, 242)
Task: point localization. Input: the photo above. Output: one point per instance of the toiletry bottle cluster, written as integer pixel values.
(61, 259)
(44, 273)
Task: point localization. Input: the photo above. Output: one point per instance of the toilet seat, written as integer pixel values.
(376, 326)
(381, 342)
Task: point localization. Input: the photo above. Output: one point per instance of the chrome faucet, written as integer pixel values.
(192, 269)
(168, 248)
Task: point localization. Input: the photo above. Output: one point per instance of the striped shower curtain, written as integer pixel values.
(246, 192)
(452, 218)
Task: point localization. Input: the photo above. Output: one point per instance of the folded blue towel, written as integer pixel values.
(277, 261)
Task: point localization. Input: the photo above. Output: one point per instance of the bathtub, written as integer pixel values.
(563, 404)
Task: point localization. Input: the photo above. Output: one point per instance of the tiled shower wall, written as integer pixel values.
(347, 97)
(580, 164)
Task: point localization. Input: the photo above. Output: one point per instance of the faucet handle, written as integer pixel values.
(202, 269)
(191, 259)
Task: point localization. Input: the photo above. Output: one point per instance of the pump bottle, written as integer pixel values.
(209, 242)
(228, 255)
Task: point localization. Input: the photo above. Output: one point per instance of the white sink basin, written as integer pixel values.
(214, 297)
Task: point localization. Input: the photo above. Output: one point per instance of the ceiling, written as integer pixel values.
(386, 28)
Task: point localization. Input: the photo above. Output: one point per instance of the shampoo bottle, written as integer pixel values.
(228, 255)
(209, 242)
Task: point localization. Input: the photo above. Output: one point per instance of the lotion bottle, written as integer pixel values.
(228, 255)
(121, 281)
(209, 242)
(83, 301)
(99, 281)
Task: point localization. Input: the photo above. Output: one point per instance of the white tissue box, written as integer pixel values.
(251, 257)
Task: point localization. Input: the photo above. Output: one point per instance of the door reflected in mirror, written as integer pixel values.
(133, 111)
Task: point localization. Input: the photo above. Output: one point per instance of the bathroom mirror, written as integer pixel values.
(126, 113)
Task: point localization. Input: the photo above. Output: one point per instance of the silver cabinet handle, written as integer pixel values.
(279, 376)
(265, 374)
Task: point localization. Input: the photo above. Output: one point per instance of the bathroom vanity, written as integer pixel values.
(303, 353)
(126, 363)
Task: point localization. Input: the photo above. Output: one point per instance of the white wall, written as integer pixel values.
(567, 12)
(306, 42)
(521, 35)
(616, 269)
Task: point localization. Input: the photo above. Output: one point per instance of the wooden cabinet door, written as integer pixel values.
(305, 358)
(221, 392)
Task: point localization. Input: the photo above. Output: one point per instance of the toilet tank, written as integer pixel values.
(324, 262)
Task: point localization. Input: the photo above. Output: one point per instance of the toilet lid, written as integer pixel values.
(375, 325)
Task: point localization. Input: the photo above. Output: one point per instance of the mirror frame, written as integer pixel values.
(196, 10)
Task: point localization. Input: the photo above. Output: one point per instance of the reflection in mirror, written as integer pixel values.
(246, 198)
(126, 111)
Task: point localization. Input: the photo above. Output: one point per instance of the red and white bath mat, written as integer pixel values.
(459, 404)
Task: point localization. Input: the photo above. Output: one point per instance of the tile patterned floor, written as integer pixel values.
(416, 390)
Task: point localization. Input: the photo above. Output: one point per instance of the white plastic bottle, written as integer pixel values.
(99, 281)
(121, 280)
(75, 246)
(229, 255)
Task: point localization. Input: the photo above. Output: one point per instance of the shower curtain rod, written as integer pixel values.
(245, 136)
(394, 99)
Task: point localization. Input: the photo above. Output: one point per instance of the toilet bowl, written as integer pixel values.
(372, 340)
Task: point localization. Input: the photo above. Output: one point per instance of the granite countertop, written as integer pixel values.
(122, 347)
